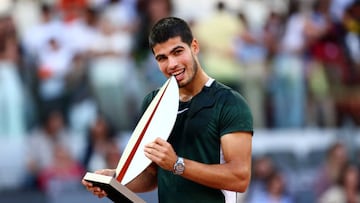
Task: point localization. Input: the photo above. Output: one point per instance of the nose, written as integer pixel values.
(172, 62)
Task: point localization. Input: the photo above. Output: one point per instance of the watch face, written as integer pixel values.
(179, 166)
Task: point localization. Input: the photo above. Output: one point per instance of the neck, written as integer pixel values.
(195, 87)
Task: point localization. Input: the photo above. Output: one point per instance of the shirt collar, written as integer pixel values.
(209, 82)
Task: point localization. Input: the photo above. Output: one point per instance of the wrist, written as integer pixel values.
(179, 166)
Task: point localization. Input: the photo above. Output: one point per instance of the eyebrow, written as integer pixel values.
(172, 51)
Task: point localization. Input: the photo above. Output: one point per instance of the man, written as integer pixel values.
(207, 157)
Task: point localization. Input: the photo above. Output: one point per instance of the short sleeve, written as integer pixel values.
(235, 114)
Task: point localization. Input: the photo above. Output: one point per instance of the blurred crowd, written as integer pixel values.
(82, 67)
(334, 179)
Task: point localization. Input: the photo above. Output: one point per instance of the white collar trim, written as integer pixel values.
(209, 82)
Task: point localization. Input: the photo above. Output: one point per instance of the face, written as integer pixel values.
(55, 123)
(351, 177)
(176, 58)
(276, 185)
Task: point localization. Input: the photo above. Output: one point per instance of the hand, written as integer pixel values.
(96, 190)
(162, 153)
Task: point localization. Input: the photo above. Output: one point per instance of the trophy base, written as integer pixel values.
(115, 191)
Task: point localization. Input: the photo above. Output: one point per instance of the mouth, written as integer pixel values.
(177, 74)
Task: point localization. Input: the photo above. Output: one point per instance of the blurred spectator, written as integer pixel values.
(38, 35)
(26, 14)
(63, 174)
(275, 191)
(262, 168)
(71, 10)
(337, 9)
(351, 38)
(288, 69)
(112, 75)
(348, 101)
(78, 22)
(82, 105)
(54, 62)
(274, 28)
(5, 7)
(150, 11)
(346, 189)
(97, 4)
(151, 73)
(33, 40)
(122, 14)
(47, 62)
(257, 12)
(312, 55)
(321, 105)
(112, 155)
(12, 104)
(218, 47)
(331, 168)
(80, 33)
(251, 53)
(42, 143)
(100, 141)
(189, 9)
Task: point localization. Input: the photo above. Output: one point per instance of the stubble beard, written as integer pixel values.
(193, 71)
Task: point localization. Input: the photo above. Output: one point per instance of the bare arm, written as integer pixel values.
(233, 175)
(146, 181)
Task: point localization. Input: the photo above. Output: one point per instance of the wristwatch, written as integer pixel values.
(179, 166)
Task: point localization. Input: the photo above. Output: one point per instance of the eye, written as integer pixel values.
(160, 58)
(178, 52)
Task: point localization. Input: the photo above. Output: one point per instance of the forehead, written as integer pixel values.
(168, 46)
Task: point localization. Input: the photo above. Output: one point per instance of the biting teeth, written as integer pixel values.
(178, 73)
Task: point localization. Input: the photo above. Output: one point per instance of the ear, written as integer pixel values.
(195, 46)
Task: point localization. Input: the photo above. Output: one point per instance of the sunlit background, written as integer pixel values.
(73, 74)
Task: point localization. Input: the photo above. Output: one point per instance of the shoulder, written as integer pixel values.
(147, 99)
(227, 95)
(150, 96)
(234, 112)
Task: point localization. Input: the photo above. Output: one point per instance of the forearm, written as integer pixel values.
(235, 172)
(228, 176)
(233, 175)
(145, 182)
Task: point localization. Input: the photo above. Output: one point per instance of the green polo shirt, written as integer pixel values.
(217, 110)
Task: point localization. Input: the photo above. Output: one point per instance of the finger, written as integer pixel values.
(150, 155)
(150, 145)
(160, 141)
(107, 172)
(150, 151)
(160, 148)
(102, 171)
(86, 183)
(100, 194)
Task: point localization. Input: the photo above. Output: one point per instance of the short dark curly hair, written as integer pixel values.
(167, 28)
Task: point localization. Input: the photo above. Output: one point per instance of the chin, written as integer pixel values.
(182, 83)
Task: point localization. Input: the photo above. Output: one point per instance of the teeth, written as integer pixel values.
(177, 73)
